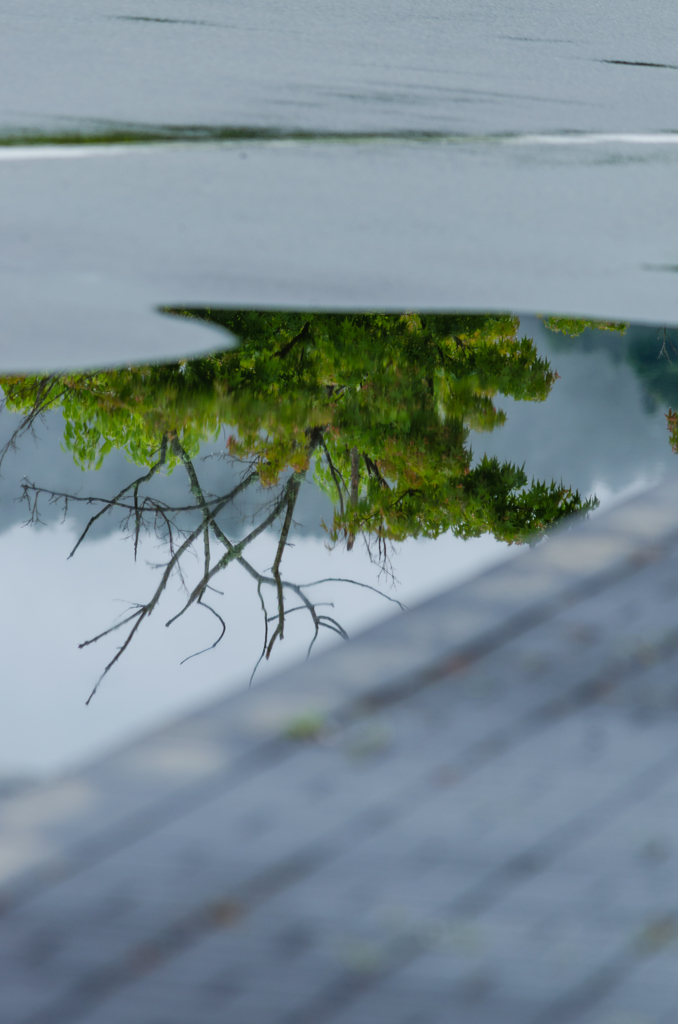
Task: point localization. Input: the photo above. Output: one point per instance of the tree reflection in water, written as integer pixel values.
(375, 408)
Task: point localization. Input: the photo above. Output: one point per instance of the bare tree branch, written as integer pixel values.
(293, 494)
(218, 640)
(151, 513)
(336, 476)
(355, 583)
(263, 650)
(145, 610)
(230, 556)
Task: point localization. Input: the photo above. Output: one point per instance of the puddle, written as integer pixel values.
(172, 531)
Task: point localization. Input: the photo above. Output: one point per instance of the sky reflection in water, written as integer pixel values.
(382, 451)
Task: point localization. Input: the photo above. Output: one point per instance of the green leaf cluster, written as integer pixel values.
(391, 396)
(574, 327)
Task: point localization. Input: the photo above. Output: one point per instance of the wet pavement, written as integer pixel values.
(362, 65)
(495, 200)
(467, 811)
(95, 245)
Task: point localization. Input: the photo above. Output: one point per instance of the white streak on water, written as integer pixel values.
(71, 151)
(60, 152)
(598, 138)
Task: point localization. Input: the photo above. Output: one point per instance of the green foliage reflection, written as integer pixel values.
(379, 406)
(574, 327)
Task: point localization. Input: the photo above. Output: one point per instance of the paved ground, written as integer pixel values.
(91, 247)
(501, 207)
(468, 814)
(471, 66)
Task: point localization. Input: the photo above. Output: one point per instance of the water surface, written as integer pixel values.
(174, 530)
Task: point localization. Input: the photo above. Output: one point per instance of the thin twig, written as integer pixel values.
(355, 583)
(219, 638)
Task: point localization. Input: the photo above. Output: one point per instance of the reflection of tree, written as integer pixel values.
(574, 327)
(145, 512)
(378, 408)
(650, 351)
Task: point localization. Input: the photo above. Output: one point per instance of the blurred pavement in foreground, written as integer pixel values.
(466, 814)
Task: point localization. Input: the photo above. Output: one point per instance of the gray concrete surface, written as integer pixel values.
(92, 246)
(471, 66)
(469, 813)
(501, 208)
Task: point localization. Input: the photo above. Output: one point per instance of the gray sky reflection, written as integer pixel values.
(41, 459)
(598, 425)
